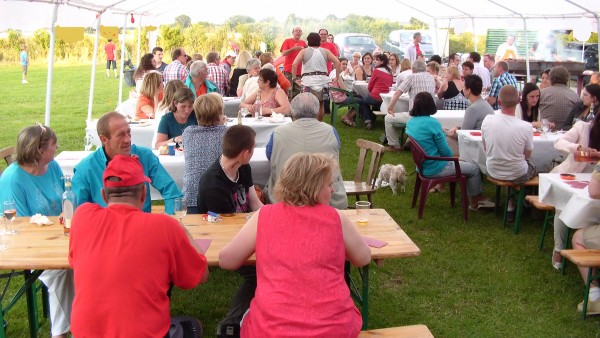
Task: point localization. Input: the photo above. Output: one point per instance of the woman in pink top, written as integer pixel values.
(301, 244)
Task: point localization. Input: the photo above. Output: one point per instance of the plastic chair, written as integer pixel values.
(358, 187)
(335, 106)
(424, 184)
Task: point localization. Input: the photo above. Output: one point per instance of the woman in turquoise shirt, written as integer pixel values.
(34, 182)
(428, 132)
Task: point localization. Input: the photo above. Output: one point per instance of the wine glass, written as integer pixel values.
(88, 142)
(10, 213)
(180, 208)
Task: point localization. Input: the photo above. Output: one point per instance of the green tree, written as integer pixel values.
(236, 20)
(170, 37)
(184, 21)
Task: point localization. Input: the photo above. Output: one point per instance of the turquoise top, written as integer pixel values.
(33, 194)
(168, 125)
(428, 132)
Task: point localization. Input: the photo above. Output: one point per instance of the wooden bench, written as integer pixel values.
(158, 209)
(548, 217)
(585, 259)
(412, 331)
(518, 191)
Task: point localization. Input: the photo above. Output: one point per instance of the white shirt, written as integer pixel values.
(506, 51)
(506, 139)
(483, 73)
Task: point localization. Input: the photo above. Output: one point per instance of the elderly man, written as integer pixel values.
(198, 80)
(176, 70)
(419, 81)
(158, 56)
(305, 134)
(508, 142)
(479, 69)
(502, 79)
(289, 49)
(507, 50)
(115, 136)
(557, 100)
(589, 238)
(138, 256)
(414, 49)
(217, 74)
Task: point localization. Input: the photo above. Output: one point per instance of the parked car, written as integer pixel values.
(398, 40)
(572, 51)
(354, 42)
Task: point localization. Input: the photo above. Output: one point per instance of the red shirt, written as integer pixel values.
(110, 48)
(380, 82)
(333, 49)
(289, 59)
(123, 263)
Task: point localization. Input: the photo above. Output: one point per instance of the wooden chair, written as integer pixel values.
(7, 153)
(360, 187)
(513, 190)
(585, 259)
(335, 106)
(412, 331)
(423, 184)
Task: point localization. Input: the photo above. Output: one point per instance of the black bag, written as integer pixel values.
(184, 327)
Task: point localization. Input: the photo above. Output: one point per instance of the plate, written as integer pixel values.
(276, 121)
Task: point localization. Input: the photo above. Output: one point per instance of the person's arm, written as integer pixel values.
(290, 50)
(240, 88)
(469, 120)
(197, 247)
(568, 142)
(233, 255)
(442, 89)
(359, 74)
(529, 145)
(297, 61)
(338, 70)
(283, 101)
(439, 138)
(249, 101)
(594, 187)
(494, 91)
(393, 101)
(253, 199)
(357, 252)
(282, 80)
(162, 134)
(374, 79)
(492, 100)
(161, 140)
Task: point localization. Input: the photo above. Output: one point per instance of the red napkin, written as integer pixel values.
(203, 243)
(374, 242)
(578, 184)
(475, 133)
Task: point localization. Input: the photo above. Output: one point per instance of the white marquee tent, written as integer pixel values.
(582, 16)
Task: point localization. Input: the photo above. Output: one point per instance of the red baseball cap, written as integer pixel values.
(128, 169)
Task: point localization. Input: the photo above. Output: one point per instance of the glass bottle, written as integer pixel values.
(239, 117)
(258, 106)
(69, 203)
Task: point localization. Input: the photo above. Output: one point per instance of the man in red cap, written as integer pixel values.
(124, 260)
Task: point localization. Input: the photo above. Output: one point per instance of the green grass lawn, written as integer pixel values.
(474, 279)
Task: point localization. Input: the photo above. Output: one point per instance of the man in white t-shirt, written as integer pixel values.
(507, 50)
(508, 141)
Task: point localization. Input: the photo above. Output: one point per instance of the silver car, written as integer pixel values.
(354, 42)
(398, 40)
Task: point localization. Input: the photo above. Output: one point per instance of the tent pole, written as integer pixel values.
(526, 51)
(122, 61)
(437, 41)
(139, 40)
(94, 60)
(50, 66)
(474, 35)
(598, 32)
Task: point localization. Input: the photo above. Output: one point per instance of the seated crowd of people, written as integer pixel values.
(112, 184)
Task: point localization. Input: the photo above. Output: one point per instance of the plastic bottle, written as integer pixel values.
(69, 203)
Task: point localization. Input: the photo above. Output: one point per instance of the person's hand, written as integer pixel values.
(391, 110)
(451, 132)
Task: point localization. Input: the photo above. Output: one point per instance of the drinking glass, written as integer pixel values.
(180, 208)
(362, 210)
(484, 93)
(88, 142)
(545, 125)
(10, 213)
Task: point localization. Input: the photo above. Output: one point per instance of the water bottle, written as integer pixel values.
(69, 203)
(257, 106)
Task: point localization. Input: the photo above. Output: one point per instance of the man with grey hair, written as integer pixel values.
(557, 100)
(419, 81)
(198, 80)
(216, 73)
(305, 134)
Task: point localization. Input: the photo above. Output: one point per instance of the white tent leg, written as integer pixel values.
(50, 66)
(122, 61)
(139, 44)
(526, 52)
(94, 60)
(474, 34)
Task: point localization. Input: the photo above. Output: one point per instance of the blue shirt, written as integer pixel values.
(87, 178)
(210, 86)
(499, 82)
(33, 194)
(24, 58)
(428, 132)
(169, 126)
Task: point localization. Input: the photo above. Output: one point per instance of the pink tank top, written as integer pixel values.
(301, 290)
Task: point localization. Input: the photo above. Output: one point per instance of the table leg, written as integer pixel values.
(361, 296)
(31, 303)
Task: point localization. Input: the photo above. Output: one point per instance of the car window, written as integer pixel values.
(359, 40)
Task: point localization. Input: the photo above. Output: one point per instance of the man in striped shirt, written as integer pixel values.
(502, 79)
(176, 70)
(216, 73)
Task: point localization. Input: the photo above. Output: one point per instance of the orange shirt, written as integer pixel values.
(201, 90)
(143, 101)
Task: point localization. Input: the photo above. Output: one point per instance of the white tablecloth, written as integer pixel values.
(175, 166)
(450, 118)
(471, 149)
(400, 106)
(142, 134)
(361, 88)
(578, 210)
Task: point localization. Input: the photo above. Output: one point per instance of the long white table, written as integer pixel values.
(175, 166)
(572, 198)
(471, 149)
(142, 133)
(450, 118)
(400, 106)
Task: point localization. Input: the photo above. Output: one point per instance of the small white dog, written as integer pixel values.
(393, 174)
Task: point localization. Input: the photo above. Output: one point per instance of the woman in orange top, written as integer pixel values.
(150, 95)
(282, 81)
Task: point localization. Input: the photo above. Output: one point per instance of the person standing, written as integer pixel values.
(333, 48)
(110, 49)
(289, 49)
(24, 63)
(414, 49)
(158, 56)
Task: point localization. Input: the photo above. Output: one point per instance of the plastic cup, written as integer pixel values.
(171, 147)
(363, 211)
